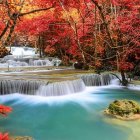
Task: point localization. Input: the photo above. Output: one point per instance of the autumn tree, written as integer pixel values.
(119, 25)
(103, 34)
(12, 12)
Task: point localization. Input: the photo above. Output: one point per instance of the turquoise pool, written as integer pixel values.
(74, 117)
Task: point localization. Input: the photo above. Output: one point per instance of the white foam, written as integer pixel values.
(80, 97)
(23, 51)
(61, 88)
(134, 87)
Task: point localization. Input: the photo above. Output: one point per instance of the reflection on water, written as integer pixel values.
(72, 117)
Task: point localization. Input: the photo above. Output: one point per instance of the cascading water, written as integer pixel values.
(26, 56)
(40, 88)
(61, 88)
(72, 117)
(23, 51)
(19, 86)
(97, 80)
(42, 63)
(81, 112)
(45, 62)
(54, 89)
(15, 62)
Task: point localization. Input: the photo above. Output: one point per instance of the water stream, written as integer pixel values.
(70, 117)
(40, 112)
(25, 57)
(33, 87)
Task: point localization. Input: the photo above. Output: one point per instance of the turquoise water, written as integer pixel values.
(74, 117)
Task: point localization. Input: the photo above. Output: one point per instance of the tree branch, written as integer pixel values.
(4, 30)
(104, 21)
(34, 11)
(117, 77)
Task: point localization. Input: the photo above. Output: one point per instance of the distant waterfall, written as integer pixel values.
(61, 88)
(45, 62)
(96, 79)
(19, 86)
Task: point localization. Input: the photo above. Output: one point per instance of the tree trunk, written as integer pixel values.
(40, 46)
(124, 81)
(11, 32)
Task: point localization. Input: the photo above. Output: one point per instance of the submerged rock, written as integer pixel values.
(22, 138)
(124, 109)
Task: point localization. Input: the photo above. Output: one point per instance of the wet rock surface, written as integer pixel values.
(124, 109)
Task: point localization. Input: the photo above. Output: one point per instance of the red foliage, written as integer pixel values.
(4, 110)
(98, 64)
(50, 51)
(4, 136)
(126, 66)
(71, 29)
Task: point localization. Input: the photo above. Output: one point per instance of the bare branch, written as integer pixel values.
(104, 21)
(117, 77)
(36, 10)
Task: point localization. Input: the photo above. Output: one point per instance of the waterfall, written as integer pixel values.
(42, 63)
(46, 62)
(40, 88)
(13, 61)
(61, 88)
(16, 63)
(23, 51)
(54, 89)
(19, 86)
(97, 80)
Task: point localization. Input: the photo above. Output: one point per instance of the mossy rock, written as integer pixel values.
(124, 109)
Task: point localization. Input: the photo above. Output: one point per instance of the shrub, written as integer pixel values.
(4, 136)
(4, 110)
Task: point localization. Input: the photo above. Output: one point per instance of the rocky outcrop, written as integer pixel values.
(124, 109)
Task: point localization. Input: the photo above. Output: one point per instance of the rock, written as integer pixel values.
(22, 138)
(81, 65)
(124, 109)
(78, 65)
(3, 52)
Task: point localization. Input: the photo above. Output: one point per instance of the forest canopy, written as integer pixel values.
(100, 34)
